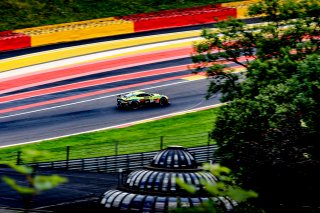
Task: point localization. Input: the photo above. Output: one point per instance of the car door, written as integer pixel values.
(144, 98)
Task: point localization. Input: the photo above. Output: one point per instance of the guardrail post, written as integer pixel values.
(141, 158)
(120, 176)
(18, 158)
(161, 142)
(208, 146)
(116, 152)
(116, 147)
(67, 157)
(98, 164)
(106, 164)
(128, 162)
(82, 164)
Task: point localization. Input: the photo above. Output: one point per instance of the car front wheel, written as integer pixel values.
(163, 102)
(134, 105)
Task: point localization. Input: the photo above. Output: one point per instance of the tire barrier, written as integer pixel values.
(76, 31)
(179, 18)
(10, 40)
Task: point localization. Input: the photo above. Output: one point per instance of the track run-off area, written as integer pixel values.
(72, 90)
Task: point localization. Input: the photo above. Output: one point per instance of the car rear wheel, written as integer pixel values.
(121, 106)
(163, 102)
(135, 105)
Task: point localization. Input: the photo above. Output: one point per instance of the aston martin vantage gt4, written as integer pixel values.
(137, 99)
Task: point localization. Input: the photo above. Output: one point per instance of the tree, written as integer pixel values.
(225, 187)
(268, 132)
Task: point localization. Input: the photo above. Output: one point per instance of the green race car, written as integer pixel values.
(136, 99)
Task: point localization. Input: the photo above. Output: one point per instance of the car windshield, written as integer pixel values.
(129, 95)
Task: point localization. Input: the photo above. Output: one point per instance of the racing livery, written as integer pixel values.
(136, 99)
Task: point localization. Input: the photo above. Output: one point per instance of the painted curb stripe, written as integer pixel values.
(113, 62)
(38, 58)
(91, 68)
(113, 79)
(193, 78)
(60, 100)
(89, 83)
(87, 95)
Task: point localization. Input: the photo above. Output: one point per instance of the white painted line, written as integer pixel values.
(102, 97)
(89, 57)
(100, 43)
(89, 100)
(122, 125)
(87, 81)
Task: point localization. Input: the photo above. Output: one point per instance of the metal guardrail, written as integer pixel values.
(108, 148)
(125, 163)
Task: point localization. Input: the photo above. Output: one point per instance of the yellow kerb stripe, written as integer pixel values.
(38, 58)
(194, 78)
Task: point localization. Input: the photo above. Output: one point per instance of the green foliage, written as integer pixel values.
(34, 184)
(25, 170)
(189, 188)
(42, 183)
(37, 183)
(17, 14)
(20, 189)
(32, 155)
(268, 132)
(225, 187)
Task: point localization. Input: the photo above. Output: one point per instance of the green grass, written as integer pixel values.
(187, 130)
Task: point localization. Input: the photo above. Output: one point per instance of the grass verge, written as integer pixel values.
(187, 130)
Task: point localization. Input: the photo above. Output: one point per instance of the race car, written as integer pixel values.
(136, 99)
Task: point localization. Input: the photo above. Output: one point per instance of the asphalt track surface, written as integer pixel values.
(97, 113)
(81, 97)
